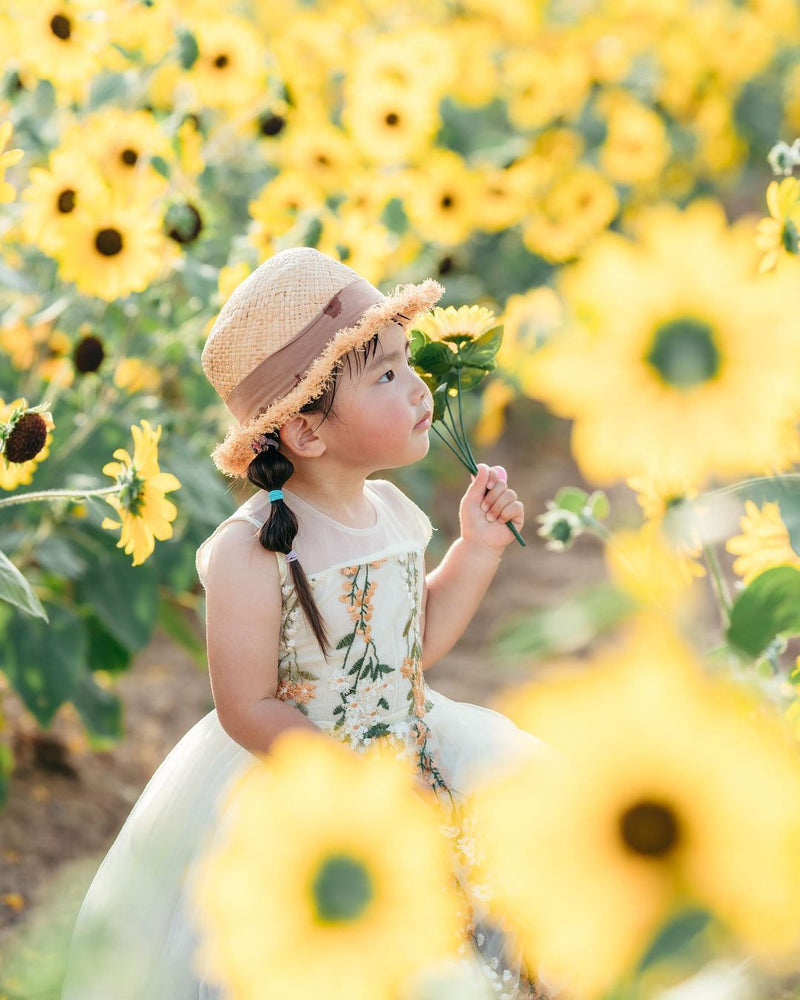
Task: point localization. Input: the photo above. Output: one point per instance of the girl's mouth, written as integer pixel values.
(424, 423)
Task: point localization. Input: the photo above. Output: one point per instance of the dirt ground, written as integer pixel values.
(66, 804)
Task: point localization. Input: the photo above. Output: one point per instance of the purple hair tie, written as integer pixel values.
(291, 556)
(263, 443)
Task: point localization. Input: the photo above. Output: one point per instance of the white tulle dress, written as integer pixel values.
(134, 936)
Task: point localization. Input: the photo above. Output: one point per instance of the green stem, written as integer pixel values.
(465, 457)
(58, 495)
(458, 454)
(718, 583)
(464, 437)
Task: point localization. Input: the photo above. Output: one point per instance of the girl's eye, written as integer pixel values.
(389, 372)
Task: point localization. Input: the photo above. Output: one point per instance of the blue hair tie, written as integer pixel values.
(275, 495)
(291, 556)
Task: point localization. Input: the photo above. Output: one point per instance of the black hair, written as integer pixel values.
(270, 469)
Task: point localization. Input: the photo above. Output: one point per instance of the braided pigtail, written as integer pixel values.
(269, 470)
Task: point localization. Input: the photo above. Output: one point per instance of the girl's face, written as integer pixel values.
(381, 414)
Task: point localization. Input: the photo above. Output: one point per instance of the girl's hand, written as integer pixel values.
(486, 507)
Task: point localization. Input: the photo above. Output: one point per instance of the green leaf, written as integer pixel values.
(674, 937)
(346, 641)
(439, 402)
(105, 653)
(160, 165)
(482, 351)
(565, 628)
(58, 556)
(123, 597)
(435, 358)
(172, 620)
(768, 606)
(15, 588)
(571, 498)
(44, 662)
(6, 769)
(188, 49)
(101, 711)
(598, 505)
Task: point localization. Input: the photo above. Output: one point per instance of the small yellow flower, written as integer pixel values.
(7, 159)
(145, 513)
(779, 233)
(466, 321)
(764, 541)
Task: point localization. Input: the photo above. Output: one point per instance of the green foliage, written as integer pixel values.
(768, 606)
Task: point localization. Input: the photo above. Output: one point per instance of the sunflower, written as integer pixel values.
(661, 369)
(20, 473)
(550, 82)
(144, 512)
(111, 249)
(764, 541)
(146, 30)
(135, 375)
(53, 194)
(279, 205)
(780, 233)
(7, 159)
(123, 144)
(358, 240)
(446, 324)
(528, 320)
(346, 897)
(574, 209)
(319, 152)
(644, 564)
(505, 195)
(59, 41)
(636, 147)
(440, 198)
(679, 791)
(230, 69)
(389, 124)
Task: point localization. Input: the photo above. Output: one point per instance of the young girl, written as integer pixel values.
(320, 569)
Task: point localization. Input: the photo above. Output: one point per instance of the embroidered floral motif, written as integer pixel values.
(360, 679)
(295, 686)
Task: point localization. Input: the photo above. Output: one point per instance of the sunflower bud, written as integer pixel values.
(27, 437)
(182, 223)
(560, 527)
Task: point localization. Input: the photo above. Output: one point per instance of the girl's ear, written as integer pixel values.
(299, 436)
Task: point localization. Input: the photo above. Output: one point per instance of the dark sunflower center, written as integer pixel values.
(129, 157)
(683, 352)
(447, 201)
(88, 354)
(27, 438)
(342, 889)
(61, 27)
(649, 828)
(221, 61)
(270, 124)
(66, 201)
(392, 118)
(323, 160)
(790, 238)
(108, 242)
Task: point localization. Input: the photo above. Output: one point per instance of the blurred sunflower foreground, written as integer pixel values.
(330, 879)
(676, 811)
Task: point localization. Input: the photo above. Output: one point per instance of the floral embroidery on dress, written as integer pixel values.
(427, 759)
(295, 686)
(359, 680)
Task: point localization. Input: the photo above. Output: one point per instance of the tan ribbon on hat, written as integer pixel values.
(284, 369)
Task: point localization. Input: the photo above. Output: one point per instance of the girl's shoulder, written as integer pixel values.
(402, 506)
(234, 543)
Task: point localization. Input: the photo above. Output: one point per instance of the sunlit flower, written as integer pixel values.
(671, 780)
(24, 440)
(143, 510)
(780, 234)
(111, 249)
(7, 159)
(659, 368)
(763, 543)
(391, 124)
(468, 322)
(440, 197)
(137, 375)
(357, 871)
(358, 240)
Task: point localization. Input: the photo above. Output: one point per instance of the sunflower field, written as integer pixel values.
(607, 191)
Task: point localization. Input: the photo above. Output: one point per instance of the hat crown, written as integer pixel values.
(267, 311)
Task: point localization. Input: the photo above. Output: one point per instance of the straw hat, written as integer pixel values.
(276, 341)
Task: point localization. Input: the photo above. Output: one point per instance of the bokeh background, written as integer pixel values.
(592, 172)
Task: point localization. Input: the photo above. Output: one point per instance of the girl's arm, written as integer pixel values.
(243, 620)
(455, 588)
